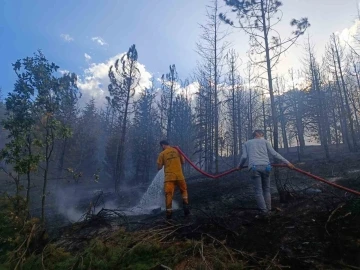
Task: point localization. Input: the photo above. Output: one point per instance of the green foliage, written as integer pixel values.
(183, 127)
(54, 259)
(100, 255)
(19, 123)
(30, 119)
(124, 79)
(145, 135)
(82, 149)
(126, 250)
(36, 113)
(21, 239)
(13, 224)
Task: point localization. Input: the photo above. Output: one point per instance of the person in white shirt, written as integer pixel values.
(256, 151)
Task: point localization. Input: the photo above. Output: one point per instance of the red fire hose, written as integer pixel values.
(274, 165)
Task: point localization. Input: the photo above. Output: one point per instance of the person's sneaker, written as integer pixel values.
(168, 215)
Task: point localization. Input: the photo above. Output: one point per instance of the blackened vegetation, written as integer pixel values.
(318, 228)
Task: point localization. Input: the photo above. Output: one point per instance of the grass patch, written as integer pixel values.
(125, 250)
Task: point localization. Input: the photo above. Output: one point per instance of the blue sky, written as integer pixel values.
(164, 31)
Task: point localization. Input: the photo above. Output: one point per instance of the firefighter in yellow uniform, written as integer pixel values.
(171, 159)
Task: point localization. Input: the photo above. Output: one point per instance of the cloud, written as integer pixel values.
(67, 37)
(347, 35)
(192, 88)
(87, 57)
(63, 71)
(187, 90)
(94, 82)
(99, 40)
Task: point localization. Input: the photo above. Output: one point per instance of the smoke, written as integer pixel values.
(73, 202)
(67, 203)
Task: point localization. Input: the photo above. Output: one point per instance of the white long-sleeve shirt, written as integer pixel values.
(257, 152)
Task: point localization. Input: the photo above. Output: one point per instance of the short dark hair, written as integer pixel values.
(164, 142)
(258, 131)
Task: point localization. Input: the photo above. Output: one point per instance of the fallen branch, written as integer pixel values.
(42, 258)
(331, 215)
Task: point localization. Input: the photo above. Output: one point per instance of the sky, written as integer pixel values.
(87, 36)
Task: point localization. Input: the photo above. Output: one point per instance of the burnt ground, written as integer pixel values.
(317, 228)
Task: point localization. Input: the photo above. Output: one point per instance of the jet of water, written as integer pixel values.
(154, 196)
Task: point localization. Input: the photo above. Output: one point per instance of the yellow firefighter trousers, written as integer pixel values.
(169, 192)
